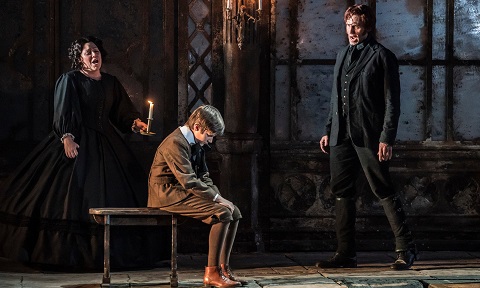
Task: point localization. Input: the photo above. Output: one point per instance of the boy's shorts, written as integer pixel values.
(207, 211)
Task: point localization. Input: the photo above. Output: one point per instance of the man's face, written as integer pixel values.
(356, 30)
(202, 136)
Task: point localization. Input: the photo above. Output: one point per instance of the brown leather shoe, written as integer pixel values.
(214, 278)
(227, 272)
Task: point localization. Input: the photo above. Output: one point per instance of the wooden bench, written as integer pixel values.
(135, 216)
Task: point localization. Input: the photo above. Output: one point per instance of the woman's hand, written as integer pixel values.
(139, 125)
(71, 148)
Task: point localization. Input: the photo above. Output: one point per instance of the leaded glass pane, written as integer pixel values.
(401, 27)
(411, 122)
(467, 29)
(439, 104)
(199, 54)
(438, 29)
(321, 29)
(315, 86)
(467, 101)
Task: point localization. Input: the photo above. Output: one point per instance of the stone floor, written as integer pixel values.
(445, 269)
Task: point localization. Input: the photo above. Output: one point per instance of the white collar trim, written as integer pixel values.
(188, 134)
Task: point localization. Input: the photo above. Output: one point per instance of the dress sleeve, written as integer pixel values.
(123, 111)
(67, 117)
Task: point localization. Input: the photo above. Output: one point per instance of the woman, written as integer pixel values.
(83, 163)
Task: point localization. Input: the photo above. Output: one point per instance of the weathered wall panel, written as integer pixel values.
(314, 83)
(282, 19)
(281, 109)
(412, 82)
(439, 186)
(467, 29)
(401, 27)
(438, 29)
(320, 30)
(439, 113)
(466, 116)
(23, 85)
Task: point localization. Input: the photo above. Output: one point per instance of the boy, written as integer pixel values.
(179, 182)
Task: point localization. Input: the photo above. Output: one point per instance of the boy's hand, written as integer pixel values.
(222, 201)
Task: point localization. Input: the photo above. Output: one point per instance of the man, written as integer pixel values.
(179, 182)
(360, 132)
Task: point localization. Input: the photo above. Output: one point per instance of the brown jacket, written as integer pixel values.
(172, 177)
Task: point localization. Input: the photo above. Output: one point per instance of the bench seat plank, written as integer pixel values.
(135, 216)
(129, 211)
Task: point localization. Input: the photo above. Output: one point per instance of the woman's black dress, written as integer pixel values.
(44, 207)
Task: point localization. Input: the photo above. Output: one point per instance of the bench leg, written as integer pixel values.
(173, 276)
(106, 252)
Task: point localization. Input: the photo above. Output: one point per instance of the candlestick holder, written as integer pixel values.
(149, 125)
(241, 20)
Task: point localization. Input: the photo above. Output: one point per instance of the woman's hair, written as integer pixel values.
(207, 117)
(365, 13)
(75, 50)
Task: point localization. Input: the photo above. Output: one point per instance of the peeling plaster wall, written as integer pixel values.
(435, 164)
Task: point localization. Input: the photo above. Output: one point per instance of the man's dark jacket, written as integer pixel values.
(374, 99)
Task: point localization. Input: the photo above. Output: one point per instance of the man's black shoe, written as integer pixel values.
(338, 261)
(405, 259)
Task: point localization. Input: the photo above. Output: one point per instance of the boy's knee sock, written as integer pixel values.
(216, 241)
(229, 240)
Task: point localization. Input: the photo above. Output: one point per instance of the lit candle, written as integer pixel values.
(259, 4)
(150, 111)
(229, 4)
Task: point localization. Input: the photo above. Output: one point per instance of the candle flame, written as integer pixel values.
(150, 102)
